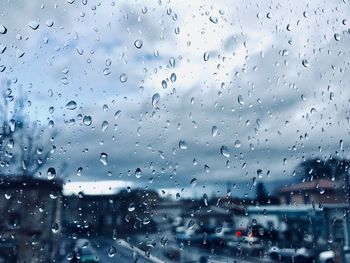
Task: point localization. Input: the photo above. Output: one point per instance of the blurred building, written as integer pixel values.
(31, 218)
(322, 191)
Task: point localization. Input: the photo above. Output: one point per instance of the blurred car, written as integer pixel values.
(252, 246)
(83, 252)
(297, 255)
(329, 256)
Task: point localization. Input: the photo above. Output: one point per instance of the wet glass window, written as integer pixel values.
(174, 131)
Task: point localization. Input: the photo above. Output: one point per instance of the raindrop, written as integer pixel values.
(70, 1)
(87, 120)
(240, 100)
(305, 63)
(206, 56)
(173, 77)
(104, 158)
(155, 99)
(80, 51)
(214, 131)
(138, 173)
(194, 182)
(224, 151)
(55, 228)
(138, 43)
(112, 251)
(182, 145)
(106, 71)
(131, 207)
(3, 29)
(51, 173)
(72, 105)
(12, 125)
(117, 114)
(33, 25)
(164, 84)
(172, 62)
(206, 168)
(49, 23)
(123, 78)
(213, 19)
(104, 125)
(237, 143)
(336, 36)
(79, 171)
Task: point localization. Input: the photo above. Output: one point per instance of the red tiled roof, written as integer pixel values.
(324, 184)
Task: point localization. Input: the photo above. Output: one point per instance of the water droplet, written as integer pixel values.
(12, 125)
(80, 51)
(173, 77)
(164, 84)
(123, 78)
(104, 158)
(7, 196)
(2, 48)
(138, 173)
(33, 25)
(112, 251)
(213, 19)
(305, 63)
(3, 29)
(206, 168)
(87, 120)
(138, 43)
(49, 23)
(172, 62)
(104, 125)
(51, 173)
(237, 143)
(214, 131)
(336, 36)
(182, 145)
(106, 71)
(71, 105)
(108, 62)
(79, 171)
(194, 182)
(55, 228)
(240, 100)
(206, 56)
(131, 207)
(224, 151)
(330, 239)
(117, 114)
(155, 99)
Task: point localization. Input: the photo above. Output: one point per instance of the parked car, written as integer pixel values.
(329, 256)
(297, 255)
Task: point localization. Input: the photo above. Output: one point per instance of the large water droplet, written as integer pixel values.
(194, 182)
(213, 19)
(206, 56)
(224, 151)
(240, 100)
(117, 114)
(336, 36)
(214, 131)
(123, 78)
(155, 99)
(164, 84)
(305, 63)
(104, 125)
(87, 120)
(33, 25)
(182, 145)
(3, 29)
(138, 43)
(138, 173)
(112, 251)
(131, 207)
(237, 143)
(71, 105)
(104, 158)
(51, 173)
(173, 77)
(55, 228)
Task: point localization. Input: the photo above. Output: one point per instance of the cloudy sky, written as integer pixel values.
(211, 90)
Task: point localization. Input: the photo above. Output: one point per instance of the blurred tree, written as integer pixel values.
(333, 168)
(262, 196)
(24, 146)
